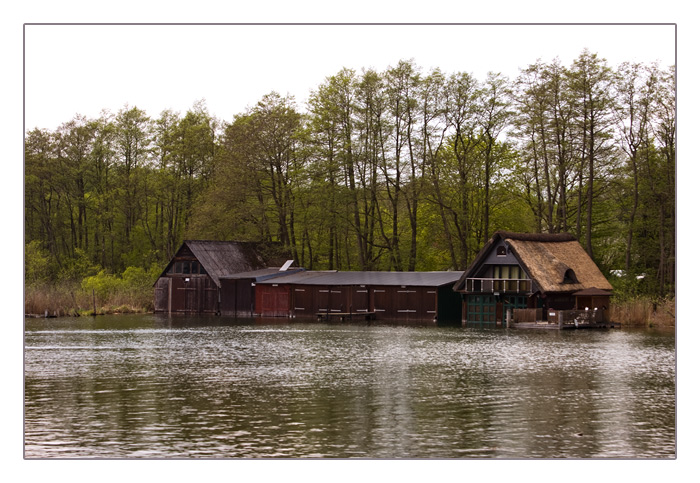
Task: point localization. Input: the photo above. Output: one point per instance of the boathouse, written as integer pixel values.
(198, 279)
(399, 296)
(238, 290)
(533, 278)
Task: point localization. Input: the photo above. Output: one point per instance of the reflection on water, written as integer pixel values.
(158, 387)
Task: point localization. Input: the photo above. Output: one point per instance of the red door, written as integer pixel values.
(274, 301)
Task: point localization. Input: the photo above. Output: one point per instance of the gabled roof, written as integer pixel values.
(335, 278)
(548, 259)
(223, 258)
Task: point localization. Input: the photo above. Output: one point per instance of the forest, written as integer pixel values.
(402, 169)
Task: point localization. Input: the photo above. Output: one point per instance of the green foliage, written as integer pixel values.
(392, 170)
(103, 285)
(37, 264)
(135, 284)
(78, 267)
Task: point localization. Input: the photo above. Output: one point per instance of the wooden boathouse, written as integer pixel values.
(399, 296)
(238, 290)
(198, 279)
(534, 280)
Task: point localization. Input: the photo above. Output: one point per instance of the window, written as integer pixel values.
(187, 268)
(508, 272)
(501, 251)
(570, 276)
(510, 278)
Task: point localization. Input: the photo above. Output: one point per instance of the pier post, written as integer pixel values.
(560, 318)
(508, 318)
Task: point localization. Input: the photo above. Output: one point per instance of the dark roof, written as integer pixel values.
(223, 258)
(547, 258)
(262, 274)
(414, 279)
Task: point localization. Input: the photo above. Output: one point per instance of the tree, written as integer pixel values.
(494, 116)
(590, 84)
(545, 126)
(259, 159)
(461, 173)
(404, 176)
(331, 110)
(635, 89)
(132, 140)
(661, 178)
(372, 134)
(385, 170)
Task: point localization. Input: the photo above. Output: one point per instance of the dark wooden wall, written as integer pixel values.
(387, 302)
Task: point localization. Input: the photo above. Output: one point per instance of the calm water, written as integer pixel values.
(153, 387)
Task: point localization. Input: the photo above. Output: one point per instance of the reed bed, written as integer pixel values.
(72, 300)
(644, 312)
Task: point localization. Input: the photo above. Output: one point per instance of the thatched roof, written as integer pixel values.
(222, 258)
(555, 262)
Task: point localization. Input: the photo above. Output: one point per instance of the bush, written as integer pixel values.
(37, 264)
(78, 267)
(104, 285)
(130, 292)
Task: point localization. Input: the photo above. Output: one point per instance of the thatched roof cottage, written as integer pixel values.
(531, 271)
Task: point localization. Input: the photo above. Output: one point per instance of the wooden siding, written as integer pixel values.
(162, 295)
(237, 297)
(194, 295)
(272, 300)
(386, 302)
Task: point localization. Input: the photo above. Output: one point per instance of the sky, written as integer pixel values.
(83, 69)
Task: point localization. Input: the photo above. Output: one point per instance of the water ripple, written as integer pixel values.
(159, 389)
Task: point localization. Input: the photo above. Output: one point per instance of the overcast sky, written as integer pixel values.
(83, 69)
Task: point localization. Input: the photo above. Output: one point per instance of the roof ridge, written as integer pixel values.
(538, 237)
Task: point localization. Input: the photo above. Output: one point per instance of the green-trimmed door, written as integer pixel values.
(481, 311)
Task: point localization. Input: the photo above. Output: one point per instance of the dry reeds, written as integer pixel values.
(644, 312)
(72, 300)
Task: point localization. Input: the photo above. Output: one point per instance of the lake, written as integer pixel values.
(147, 386)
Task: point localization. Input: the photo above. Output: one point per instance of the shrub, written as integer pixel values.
(37, 264)
(105, 285)
(78, 267)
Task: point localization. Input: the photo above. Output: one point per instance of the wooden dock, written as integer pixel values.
(568, 326)
(343, 316)
(559, 319)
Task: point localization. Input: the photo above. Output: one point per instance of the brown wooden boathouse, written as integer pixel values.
(198, 279)
(403, 296)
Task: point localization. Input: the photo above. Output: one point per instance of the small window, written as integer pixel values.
(570, 276)
(501, 251)
(177, 267)
(186, 268)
